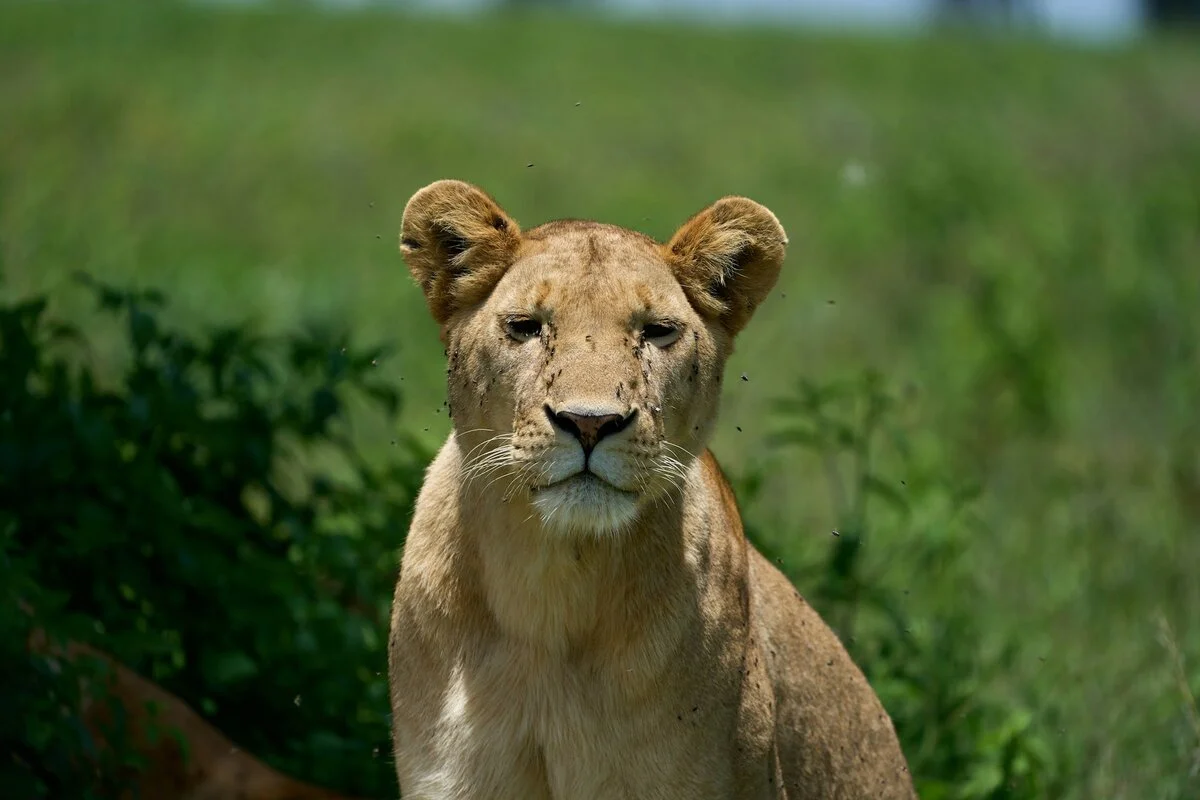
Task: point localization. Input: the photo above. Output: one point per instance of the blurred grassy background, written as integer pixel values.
(1008, 228)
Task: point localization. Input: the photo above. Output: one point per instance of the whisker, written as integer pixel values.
(655, 497)
(500, 437)
(502, 441)
(522, 471)
(499, 478)
(669, 465)
(679, 447)
(498, 451)
(490, 462)
(458, 433)
(483, 464)
(488, 469)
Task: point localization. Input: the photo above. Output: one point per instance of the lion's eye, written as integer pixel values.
(660, 334)
(522, 329)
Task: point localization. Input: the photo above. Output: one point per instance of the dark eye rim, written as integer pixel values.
(661, 330)
(522, 329)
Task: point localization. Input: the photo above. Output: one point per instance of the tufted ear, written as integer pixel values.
(457, 243)
(727, 259)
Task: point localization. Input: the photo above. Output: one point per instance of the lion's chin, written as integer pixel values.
(585, 503)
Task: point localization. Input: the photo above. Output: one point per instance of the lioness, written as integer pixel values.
(578, 613)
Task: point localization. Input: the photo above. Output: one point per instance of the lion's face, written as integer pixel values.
(591, 375)
(585, 360)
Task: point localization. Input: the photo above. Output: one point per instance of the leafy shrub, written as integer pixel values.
(204, 519)
(930, 670)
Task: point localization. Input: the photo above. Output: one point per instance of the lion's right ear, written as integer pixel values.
(457, 243)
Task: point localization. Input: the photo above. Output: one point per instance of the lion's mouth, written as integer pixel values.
(585, 501)
(586, 479)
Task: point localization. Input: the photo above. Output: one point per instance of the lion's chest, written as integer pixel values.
(517, 722)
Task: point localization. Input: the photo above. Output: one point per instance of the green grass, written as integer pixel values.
(1023, 254)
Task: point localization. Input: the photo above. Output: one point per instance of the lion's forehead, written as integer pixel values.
(596, 270)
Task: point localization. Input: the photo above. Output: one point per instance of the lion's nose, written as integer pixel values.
(590, 428)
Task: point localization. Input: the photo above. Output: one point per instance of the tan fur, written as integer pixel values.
(212, 768)
(578, 627)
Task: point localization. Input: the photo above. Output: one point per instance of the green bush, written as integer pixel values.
(206, 521)
(963, 742)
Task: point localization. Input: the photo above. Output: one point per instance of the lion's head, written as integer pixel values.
(585, 360)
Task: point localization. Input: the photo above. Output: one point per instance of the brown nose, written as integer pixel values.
(589, 429)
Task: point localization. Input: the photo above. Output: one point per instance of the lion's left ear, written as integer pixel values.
(727, 258)
(458, 243)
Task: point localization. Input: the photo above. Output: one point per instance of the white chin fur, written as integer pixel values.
(585, 504)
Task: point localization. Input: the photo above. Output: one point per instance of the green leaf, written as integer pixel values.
(886, 492)
(229, 668)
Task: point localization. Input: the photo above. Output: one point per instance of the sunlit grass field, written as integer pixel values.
(1008, 231)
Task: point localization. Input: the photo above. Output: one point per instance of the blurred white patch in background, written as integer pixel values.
(854, 174)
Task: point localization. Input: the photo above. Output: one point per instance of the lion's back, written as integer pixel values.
(836, 741)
